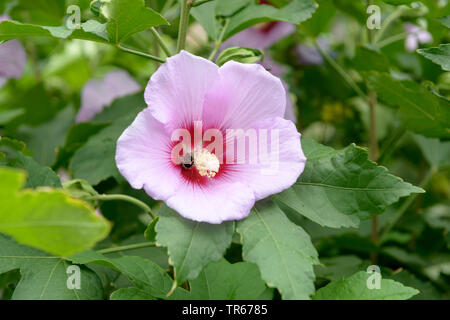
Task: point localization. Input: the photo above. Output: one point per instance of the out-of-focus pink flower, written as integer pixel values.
(98, 94)
(12, 58)
(261, 36)
(416, 36)
(193, 94)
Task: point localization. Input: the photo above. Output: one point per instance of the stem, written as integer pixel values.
(392, 39)
(184, 21)
(398, 12)
(408, 202)
(174, 284)
(128, 247)
(390, 145)
(122, 197)
(373, 149)
(342, 72)
(200, 2)
(142, 54)
(161, 42)
(219, 41)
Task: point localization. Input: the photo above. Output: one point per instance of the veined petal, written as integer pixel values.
(279, 166)
(243, 95)
(218, 202)
(175, 93)
(143, 157)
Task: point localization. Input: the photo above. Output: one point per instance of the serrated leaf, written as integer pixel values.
(338, 188)
(143, 273)
(131, 294)
(49, 219)
(13, 29)
(355, 288)
(12, 155)
(420, 110)
(282, 250)
(439, 55)
(54, 131)
(225, 281)
(191, 245)
(44, 277)
(126, 17)
(436, 152)
(95, 161)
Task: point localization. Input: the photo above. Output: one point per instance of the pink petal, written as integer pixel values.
(424, 37)
(285, 163)
(143, 157)
(176, 91)
(254, 37)
(98, 94)
(12, 59)
(243, 95)
(277, 70)
(411, 43)
(220, 201)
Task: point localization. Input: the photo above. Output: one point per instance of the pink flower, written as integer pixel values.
(191, 93)
(98, 94)
(12, 58)
(261, 36)
(416, 36)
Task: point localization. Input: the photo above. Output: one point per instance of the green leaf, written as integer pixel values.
(439, 55)
(131, 294)
(242, 55)
(8, 115)
(225, 281)
(355, 288)
(445, 21)
(282, 250)
(419, 109)
(338, 188)
(95, 161)
(143, 273)
(191, 245)
(12, 154)
(398, 2)
(436, 152)
(126, 17)
(76, 137)
(337, 267)
(294, 12)
(44, 277)
(368, 58)
(49, 219)
(54, 131)
(13, 29)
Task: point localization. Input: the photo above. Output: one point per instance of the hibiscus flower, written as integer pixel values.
(98, 94)
(200, 182)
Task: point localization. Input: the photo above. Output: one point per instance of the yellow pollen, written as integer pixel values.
(206, 163)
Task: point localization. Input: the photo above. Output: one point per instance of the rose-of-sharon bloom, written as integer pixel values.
(98, 94)
(188, 90)
(260, 36)
(416, 36)
(12, 58)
